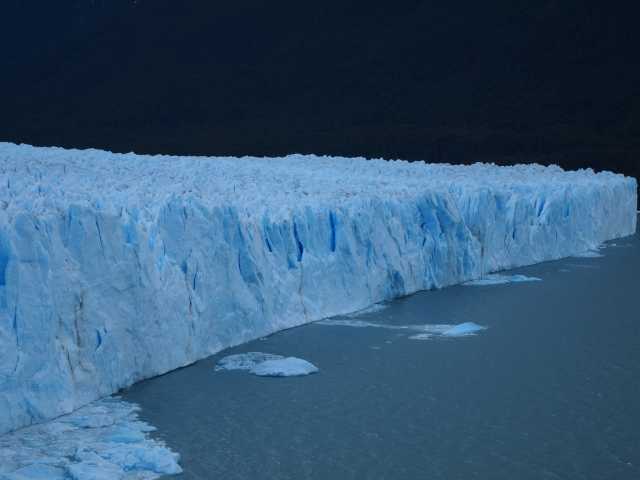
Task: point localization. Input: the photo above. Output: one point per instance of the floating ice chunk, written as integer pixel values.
(284, 367)
(496, 279)
(267, 364)
(463, 330)
(103, 441)
(245, 361)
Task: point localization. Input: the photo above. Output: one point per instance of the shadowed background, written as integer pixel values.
(503, 81)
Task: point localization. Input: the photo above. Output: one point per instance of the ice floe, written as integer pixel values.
(284, 367)
(267, 364)
(245, 361)
(105, 440)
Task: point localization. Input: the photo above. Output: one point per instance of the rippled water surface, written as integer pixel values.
(550, 390)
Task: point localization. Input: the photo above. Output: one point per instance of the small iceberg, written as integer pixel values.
(245, 361)
(496, 279)
(284, 367)
(267, 364)
(463, 330)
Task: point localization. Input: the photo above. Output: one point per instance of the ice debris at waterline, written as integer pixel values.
(497, 279)
(120, 267)
(267, 365)
(425, 332)
(104, 440)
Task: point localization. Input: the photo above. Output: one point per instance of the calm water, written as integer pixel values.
(550, 391)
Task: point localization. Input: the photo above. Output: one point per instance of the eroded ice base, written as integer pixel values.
(102, 441)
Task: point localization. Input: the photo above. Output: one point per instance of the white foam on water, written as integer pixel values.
(421, 336)
(425, 332)
(433, 328)
(105, 440)
(499, 279)
(589, 254)
(358, 324)
(587, 267)
(378, 307)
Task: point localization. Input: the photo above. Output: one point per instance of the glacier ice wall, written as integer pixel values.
(115, 268)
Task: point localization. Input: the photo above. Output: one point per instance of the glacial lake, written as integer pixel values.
(550, 390)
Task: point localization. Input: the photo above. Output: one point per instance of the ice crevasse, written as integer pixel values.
(119, 267)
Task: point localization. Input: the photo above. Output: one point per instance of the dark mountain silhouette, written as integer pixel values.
(459, 81)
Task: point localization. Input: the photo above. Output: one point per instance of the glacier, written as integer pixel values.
(119, 267)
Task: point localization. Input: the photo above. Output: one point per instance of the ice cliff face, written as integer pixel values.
(116, 268)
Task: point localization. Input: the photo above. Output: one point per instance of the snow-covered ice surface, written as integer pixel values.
(116, 268)
(104, 440)
(284, 367)
(267, 364)
(498, 279)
